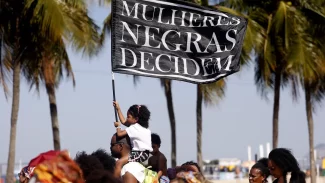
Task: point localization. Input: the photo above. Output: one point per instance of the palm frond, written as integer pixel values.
(103, 2)
(265, 61)
(236, 5)
(50, 14)
(5, 68)
(84, 33)
(213, 92)
(46, 62)
(136, 80)
(294, 83)
(252, 36)
(106, 28)
(65, 19)
(280, 28)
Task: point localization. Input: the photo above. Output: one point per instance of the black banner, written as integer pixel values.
(175, 40)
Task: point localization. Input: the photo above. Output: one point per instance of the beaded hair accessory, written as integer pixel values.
(139, 109)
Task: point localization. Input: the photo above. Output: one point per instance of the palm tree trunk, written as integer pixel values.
(54, 116)
(199, 126)
(276, 107)
(309, 112)
(14, 118)
(171, 114)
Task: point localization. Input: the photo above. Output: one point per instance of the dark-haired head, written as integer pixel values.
(120, 146)
(281, 161)
(155, 143)
(139, 114)
(155, 139)
(107, 161)
(87, 163)
(259, 172)
(192, 166)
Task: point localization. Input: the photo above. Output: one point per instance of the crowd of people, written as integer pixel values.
(135, 158)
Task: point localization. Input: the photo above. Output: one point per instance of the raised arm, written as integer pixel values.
(119, 131)
(119, 112)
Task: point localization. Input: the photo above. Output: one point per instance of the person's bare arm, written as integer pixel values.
(129, 178)
(163, 165)
(121, 116)
(118, 166)
(119, 112)
(120, 132)
(150, 161)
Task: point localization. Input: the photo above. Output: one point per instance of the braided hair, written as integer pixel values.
(262, 166)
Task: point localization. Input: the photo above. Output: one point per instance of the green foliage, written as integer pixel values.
(37, 33)
(65, 19)
(287, 37)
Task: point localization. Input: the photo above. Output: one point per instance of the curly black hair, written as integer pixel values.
(106, 160)
(192, 163)
(101, 176)
(155, 139)
(284, 159)
(142, 113)
(87, 163)
(263, 167)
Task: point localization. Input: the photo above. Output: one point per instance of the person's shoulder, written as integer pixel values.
(162, 157)
(131, 129)
(134, 168)
(140, 128)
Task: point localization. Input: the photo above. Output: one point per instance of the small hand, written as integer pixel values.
(117, 124)
(159, 174)
(116, 105)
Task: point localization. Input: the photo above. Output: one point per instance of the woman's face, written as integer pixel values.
(274, 169)
(22, 177)
(255, 176)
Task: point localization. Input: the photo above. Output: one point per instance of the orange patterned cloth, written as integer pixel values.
(61, 169)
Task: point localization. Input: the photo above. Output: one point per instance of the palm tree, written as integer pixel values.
(12, 28)
(311, 68)
(286, 47)
(312, 79)
(209, 94)
(56, 20)
(167, 86)
(48, 67)
(314, 93)
(270, 67)
(212, 93)
(53, 57)
(271, 53)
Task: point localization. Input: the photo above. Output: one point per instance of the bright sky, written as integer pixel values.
(86, 114)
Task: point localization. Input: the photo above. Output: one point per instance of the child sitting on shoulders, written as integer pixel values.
(137, 123)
